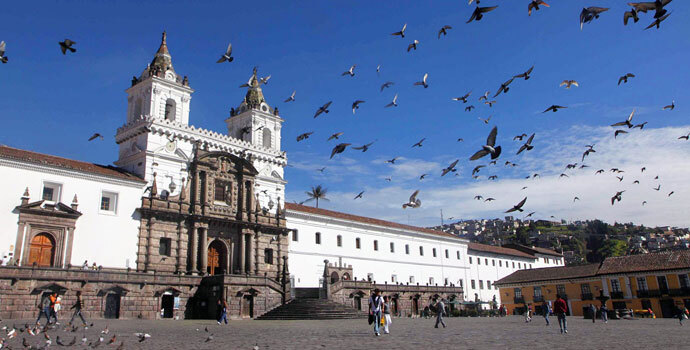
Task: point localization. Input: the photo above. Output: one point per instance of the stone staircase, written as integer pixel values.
(309, 307)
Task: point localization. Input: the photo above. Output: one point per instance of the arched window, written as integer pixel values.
(266, 142)
(170, 109)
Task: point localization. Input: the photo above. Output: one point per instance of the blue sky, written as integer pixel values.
(51, 103)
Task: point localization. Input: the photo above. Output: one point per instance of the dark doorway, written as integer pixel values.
(248, 306)
(415, 306)
(334, 277)
(167, 305)
(112, 306)
(358, 303)
(668, 308)
(396, 307)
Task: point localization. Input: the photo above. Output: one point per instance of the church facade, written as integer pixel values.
(190, 216)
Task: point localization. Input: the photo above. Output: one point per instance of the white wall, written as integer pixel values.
(490, 267)
(107, 239)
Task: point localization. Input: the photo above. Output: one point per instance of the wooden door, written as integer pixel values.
(112, 306)
(42, 250)
(248, 306)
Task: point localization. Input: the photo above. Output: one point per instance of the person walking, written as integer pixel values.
(528, 313)
(593, 312)
(546, 309)
(375, 309)
(53, 311)
(44, 309)
(560, 308)
(682, 313)
(78, 304)
(386, 315)
(604, 313)
(440, 310)
(57, 307)
(223, 305)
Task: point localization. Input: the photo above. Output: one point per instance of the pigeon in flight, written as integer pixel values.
(321, 170)
(588, 14)
(617, 197)
(413, 202)
(587, 152)
(563, 175)
(264, 80)
(292, 97)
(658, 21)
(419, 144)
(685, 137)
(576, 199)
(490, 103)
(657, 188)
(335, 136)
(378, 69)
(504, 87)
(469, 108)
(478, 198)
(401, 32)
(3, 58)
(641, 125)
(479, 12)
(486, 121)
(600, 171)
(340, 148)
(450, 168)
(462, 98)
(95, 136)
(421, 177)
(554, 108)
(569, 83)
(527, 146)
(444, 31)
(627, 15)
(670, 107)
(67, 46)
(517, 207)
(413, 45)
(392, 161)
(359, 195)
(323, 109)
(627, 122)
(624, 78)
(490, 147)
(525, 75)
(304, 136)
(355, 105)
(393, 103)
(534, 4)
(657, 6)
(492, 177)
(477, 168)
(618, 132)
(519, 137)
(364, 148)
(644, 202)
(461, 139)
(423, 82)
(490, 199)
(227, 56)
(670, 193)
(350, 72)
(386, 85)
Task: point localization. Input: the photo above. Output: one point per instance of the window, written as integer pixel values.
(339, 240)
(470, 260)
(433, 252)
(412, 279)
(545, 260)
(394, 278)
(481, 284)
(472, 283)
(500, 263)
(663, 286)
(615, 285)
(479, 261)
(560, 289)
(458, 254)
(684, 281)
(493, 262)
(164, 246)
(518, 293)
(519, 265)
(530, 266)
(219, 192)
(295, 236)
(137, 108)
(51, 191)
(513, 264)
(641, 283)
(421, 250)
(488, 284)
(392, 247)
(268, 256)
(407, 249)
(170, 109)
(431, 281)
(317, 238)
(447, 254)
(584, 287)
(266, 138)
(109, 202)
(376, 245)
(486, 261)
(358, 243)
(537, 291)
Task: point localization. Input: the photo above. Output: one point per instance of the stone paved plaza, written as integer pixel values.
(462, 333)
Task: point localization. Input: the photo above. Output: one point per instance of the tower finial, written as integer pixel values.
(165, 35)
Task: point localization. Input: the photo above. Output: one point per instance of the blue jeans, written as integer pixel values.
(377, 321)
(46, 311)
(223, 316)
(604, 316)
(562, 322)
(546, 317)
(439, 319)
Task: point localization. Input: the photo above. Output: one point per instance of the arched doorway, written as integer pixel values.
(42, 250)
(334, 277)
(216, 258)
(415, 305)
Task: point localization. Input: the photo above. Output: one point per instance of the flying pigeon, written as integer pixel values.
(227, 56)
(67, 45)
(413, 202)
(323, 109)
(490, 147)
(517, 207)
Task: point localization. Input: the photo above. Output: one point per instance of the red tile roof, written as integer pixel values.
(497, 250)
(363, 219)
(549, 273)
(646, 262)
(45, 159)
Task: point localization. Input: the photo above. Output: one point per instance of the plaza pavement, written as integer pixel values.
(462, 333)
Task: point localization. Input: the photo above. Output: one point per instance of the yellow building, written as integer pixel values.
(658, 281)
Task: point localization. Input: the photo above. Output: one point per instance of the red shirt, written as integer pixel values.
(559, 306)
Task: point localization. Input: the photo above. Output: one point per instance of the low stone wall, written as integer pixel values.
(140, 295)
(406, 300)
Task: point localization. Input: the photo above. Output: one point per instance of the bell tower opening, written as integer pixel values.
(170, 109)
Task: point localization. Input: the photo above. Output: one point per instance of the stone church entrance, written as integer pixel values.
(112, 306)
(216, 258)
(42, 250)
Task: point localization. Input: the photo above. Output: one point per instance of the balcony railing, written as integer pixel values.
(648, 293)
(587, 296)
(679, 292)
(617, 295)
(519, 300)
(538, 298)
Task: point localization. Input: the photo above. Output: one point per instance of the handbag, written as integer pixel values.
(371, 318)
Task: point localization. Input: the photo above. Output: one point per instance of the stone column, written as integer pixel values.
(204, 249)
(231, 253)
(21, 230)
(193, 248)
(250, 198)
(243, 252)
(178, 265)
(279, 257)
(252, 255)
(149, 244)
(68, 249)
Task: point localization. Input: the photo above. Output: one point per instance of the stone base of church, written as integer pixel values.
(406, 300)
(127, 294)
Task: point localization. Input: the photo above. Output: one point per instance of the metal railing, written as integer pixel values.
(538, 298)
(519, 300)
(587, 296)
(617, 295)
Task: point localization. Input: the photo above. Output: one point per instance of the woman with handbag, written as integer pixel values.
(375, 309)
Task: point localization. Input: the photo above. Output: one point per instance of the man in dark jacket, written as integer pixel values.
(560, 308)
(44, 309)
(78, 304)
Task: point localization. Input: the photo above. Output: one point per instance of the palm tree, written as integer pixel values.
(317, 193)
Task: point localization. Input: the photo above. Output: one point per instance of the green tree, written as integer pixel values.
(612, 247)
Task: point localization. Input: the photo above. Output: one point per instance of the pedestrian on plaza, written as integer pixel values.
(440, 310)
(546, 309)
(386, 315)
(604, 313)
(593, 312)
(375, 309)
(53, 301)
(528, 313)
(58, 306)
(78, 304)
(560, 308)
(44, 309)
(681, 313)
(223, 305)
